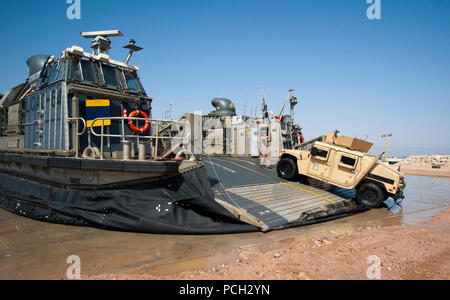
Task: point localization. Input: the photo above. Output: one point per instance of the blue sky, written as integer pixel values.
(361, 76)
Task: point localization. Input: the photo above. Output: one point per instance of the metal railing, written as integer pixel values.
(78, 134)
(154, 123)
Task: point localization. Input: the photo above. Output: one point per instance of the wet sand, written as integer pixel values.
(405, 252)
(37, 250)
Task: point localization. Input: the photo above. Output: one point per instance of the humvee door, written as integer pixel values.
(318, 165)
(345, 168)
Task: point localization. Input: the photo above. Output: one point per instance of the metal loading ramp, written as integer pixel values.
(281, 205)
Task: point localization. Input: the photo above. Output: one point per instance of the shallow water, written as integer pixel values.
(424, 197)
(36, 250)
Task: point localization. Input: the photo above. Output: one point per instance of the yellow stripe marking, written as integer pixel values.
(251, 170)
(299, 188)
(97, 103)
(98, 123)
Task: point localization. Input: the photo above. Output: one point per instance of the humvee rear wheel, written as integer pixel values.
(287, 169)
(370, 195)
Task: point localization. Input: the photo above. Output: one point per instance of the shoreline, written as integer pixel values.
(423, 255)
(425, 171)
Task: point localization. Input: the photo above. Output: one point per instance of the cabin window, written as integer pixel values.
(55, 73)
(62, 70)
(45, 76)
(88, 71)
(348, 161)
(319, 153)
(132, 82)
(58, 72)
(75, 73)
(109, 75)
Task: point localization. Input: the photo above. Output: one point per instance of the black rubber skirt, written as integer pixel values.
(183, 204)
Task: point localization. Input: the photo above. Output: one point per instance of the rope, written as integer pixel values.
(221, 184)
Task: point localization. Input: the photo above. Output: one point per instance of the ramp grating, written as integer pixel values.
(274, 205)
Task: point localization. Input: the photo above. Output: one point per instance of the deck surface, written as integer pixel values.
(259, 197)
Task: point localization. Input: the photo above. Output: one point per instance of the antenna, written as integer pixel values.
(294, 102)
(100, 42)
(387, 137)
(264, 105)
(133, 48)
(285, 103)
(104, 33)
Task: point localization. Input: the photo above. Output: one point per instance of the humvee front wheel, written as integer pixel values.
(370, 195)
(287, 169)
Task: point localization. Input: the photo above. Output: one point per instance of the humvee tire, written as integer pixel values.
(287, 169)
(370, 195)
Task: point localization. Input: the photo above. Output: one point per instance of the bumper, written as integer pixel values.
(400, 194)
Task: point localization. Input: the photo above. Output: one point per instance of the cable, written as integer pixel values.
(221, 184)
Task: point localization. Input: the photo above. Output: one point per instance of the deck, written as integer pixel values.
(259, 197)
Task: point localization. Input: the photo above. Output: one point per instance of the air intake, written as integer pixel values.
(224, 107)
(36, 63)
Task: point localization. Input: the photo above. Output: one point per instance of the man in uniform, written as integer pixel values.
(264, 148)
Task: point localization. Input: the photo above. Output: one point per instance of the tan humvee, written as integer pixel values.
(344, 162)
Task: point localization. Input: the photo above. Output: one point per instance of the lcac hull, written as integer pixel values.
(155, 198)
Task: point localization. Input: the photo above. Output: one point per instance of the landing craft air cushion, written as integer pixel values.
(78, 146)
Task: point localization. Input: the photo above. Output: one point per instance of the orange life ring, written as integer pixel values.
(131, 124)
(302, 140)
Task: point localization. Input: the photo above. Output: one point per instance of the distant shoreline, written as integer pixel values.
(425, 171)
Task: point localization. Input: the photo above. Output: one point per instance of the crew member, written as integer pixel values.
(264, 148)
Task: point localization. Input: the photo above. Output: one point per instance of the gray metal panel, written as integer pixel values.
(12, 95)
(65, 100)
(30, 117)
(46, 114)
(277, 204)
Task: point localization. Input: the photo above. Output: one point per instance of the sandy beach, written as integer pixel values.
(426, 165)
(425, 171)
(338, 255)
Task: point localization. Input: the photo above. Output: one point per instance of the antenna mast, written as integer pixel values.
(100, 42)
(133, 48)
(264, 106)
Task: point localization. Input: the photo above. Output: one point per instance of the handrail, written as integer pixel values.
(77, 140)
(84, 123)
(123, 136)
(131, 136)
